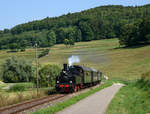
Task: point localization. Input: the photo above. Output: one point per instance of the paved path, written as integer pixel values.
(94, 104)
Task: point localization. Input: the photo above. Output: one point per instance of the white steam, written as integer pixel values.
(73, 59)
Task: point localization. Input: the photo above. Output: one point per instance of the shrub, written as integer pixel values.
(17, 70)
(22, 49)
(17, 87)
(48, 70)
(44, 53)
(20, 87)
(144, 82)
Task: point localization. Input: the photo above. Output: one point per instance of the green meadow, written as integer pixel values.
(105, 55)
(117, 63)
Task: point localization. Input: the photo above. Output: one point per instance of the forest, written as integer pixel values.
(130, 24)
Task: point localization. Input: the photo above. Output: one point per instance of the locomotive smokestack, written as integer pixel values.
(65, 67)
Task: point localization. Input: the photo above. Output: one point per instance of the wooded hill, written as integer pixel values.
(97, 23)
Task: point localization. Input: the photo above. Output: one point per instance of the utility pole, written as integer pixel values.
(48, 80)
(36, 58)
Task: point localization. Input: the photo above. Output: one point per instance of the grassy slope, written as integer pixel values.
(130, 100)
(127, 64)
(100, 54)
(134, 98)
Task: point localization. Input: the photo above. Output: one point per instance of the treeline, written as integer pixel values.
(97, 23)
(136, 33)
(21, 70)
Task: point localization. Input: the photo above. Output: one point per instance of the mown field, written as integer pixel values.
(105, 55)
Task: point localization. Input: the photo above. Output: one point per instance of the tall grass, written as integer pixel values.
(17, 97)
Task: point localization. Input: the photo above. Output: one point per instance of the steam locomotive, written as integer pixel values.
(75, 77)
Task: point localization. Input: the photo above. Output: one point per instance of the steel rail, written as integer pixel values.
(13, 109)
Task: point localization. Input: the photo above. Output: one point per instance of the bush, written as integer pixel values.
(20, 87)
(144, 82)
(44, 53)
(17, 70)
(48, 70)
(17, 87)
(22, 49)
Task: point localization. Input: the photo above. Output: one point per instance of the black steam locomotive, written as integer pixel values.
(73, 78)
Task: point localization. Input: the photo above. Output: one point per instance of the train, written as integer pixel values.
(76, 77)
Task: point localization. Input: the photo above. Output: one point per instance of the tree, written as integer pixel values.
(14, 46)
(87, 33)
(51, 37)
(48, 71)
(17, 70)
(60, 34)
(97, 23)
(129, 35)
(6, 30)
(148, 38)
(144, 29)
(66, 42)
(78, 36)
(136, 33)
(71, 42)
(43, 53)
(1, 32)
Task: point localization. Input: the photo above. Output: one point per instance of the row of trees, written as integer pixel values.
(93, 24)
(21, 41)
(136, 33)
(20, 70)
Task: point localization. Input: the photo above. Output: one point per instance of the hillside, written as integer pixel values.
(97, 23)
(123, 63)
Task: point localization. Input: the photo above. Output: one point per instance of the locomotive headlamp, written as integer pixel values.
(70, 81)
(57, 81)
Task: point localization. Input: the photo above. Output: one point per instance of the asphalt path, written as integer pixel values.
(94, 104)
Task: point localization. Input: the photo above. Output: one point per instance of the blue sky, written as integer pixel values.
(13, 12)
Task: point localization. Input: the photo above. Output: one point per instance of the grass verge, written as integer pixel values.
(60, 106)
(133, 98)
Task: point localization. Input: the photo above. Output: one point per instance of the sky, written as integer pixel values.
(14, 12)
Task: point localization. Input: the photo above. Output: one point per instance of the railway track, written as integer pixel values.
(13, 109)
(21, 107)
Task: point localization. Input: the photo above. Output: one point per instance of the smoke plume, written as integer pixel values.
(73, 59)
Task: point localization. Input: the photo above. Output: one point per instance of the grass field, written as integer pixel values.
(124, 63)
(105, 55)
